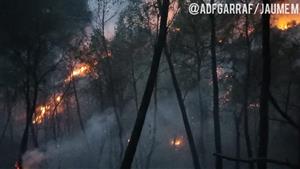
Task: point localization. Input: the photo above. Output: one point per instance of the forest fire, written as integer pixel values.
(80, 70)
(285, 22)
(53, 105)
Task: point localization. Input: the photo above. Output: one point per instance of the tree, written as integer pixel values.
(217, 128)
(32, 31)
(246, 93)
(264, 92)
(138, 126)
(183, 111)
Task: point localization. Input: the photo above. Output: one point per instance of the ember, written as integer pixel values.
(177, 142)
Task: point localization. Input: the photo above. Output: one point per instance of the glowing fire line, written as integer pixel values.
(53, 105)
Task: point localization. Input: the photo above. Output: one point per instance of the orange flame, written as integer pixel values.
(285, 22)
(80, 70)
(177, 142)
(46, 110)
(53, 104)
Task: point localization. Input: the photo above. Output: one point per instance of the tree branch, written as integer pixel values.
(282, 113)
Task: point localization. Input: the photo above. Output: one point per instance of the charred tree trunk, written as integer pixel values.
(216, 116)
(139, 123)
(264, 92)
(183, 112)
(246, 95)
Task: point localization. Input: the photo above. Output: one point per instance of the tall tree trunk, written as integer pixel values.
(24, 140)
(139, 123)
(183, 112)
(237, 122)
(31, 94)
(200, 102)
(264, 93)
(246, 94)
(217, 128)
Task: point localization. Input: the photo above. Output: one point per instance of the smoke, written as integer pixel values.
(32, 159)
(99, 146)
(81, 150)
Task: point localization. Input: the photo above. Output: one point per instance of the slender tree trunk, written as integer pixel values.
(34, 99)
(264, 93)
(183, 112)
(139, 123)
(112, 86)
(134, 83)
(216, 116)
(154, 125)
(202, 112)
(78, 107)
(31, 91)
(237, 121)
(53, 125)
(246, 94)
(24, 140)
(8, 109)
(202, 116)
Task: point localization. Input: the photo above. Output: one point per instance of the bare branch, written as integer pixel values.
(282, 113)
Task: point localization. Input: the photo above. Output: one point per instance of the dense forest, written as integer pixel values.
(144, 84)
